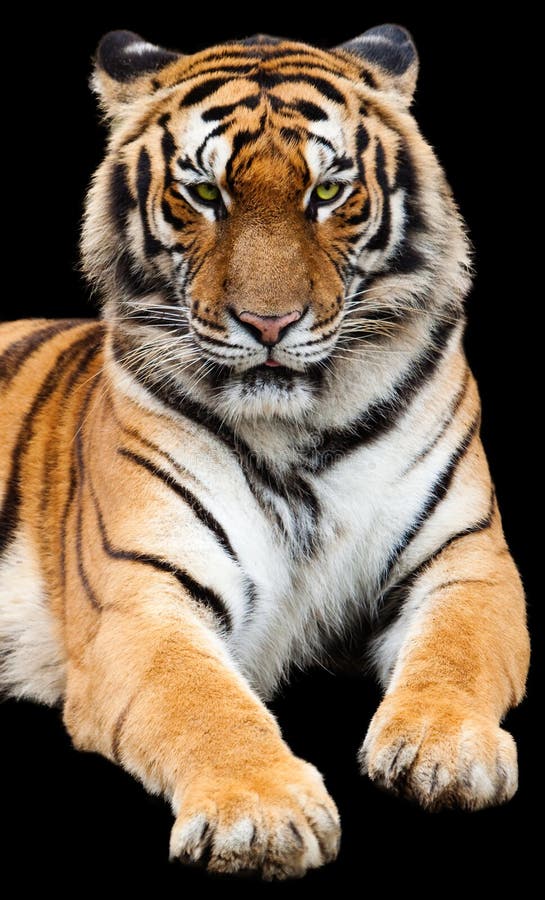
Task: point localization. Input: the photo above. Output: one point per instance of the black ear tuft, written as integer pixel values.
(124, 55)
(391, 48)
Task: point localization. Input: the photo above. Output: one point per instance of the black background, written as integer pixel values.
(59, 805)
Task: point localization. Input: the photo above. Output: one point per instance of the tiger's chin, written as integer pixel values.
(265, 392)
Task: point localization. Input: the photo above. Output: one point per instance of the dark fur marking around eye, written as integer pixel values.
(188, 166)
(319, 139)
(341, 164)
(359, 218)
(216, 132)
(169, 216)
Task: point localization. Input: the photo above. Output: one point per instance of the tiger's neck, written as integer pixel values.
(363, 394)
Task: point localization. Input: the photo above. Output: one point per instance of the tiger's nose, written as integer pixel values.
(268, 329)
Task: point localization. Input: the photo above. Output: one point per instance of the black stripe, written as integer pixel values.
(249, 70)
(170, 217)
(362, 143)
(264, 78)
(209, 324)
(84, 578)
(310, 110)
(394, 599)
(435, 496)
(294, 135)
(9, 515)
(204, 516)
(250, 588)
(217, 343)
(242, 139)
(218, 130)
(216, 113)
(16, 354)
(186, 164)
(168, 147)
(452, 582)
(201, 91)
(118, 729)
(136, 282)
(121, 200)
(380, 239)
(143, 184)
(407, 259)
(198, 592)
(75, 485)
(381, 416)
(268, 80)
(454, 407)
(50, 457)
(341, 164)
(359, 218)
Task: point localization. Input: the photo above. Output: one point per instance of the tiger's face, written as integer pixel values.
(253, 196)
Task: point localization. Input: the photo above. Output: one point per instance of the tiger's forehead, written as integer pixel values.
(277, 122)
(284, 85)
(266, 62)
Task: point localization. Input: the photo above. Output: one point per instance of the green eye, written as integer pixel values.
(326, 191)
(207, 191)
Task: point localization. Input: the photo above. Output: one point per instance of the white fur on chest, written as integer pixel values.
(365, 508)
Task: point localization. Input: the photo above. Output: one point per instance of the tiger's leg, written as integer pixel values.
(149, 601)
(459, 658)
(152, 687)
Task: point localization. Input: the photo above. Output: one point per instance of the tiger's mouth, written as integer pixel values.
(265, 377)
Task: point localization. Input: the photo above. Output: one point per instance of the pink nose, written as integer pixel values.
(268, 329)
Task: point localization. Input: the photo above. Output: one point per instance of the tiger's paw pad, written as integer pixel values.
(440, 755)
(276, 827)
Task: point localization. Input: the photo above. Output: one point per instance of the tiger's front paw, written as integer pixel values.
(278, 823)
(439, 752)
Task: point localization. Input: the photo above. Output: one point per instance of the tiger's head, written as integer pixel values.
(267, 213)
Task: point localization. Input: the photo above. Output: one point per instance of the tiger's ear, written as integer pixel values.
(124, 68)
(391, 50)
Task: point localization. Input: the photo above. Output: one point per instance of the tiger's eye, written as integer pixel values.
(326, 191)
(207, 191)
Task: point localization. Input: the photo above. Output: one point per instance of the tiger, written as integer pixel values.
(265, 453)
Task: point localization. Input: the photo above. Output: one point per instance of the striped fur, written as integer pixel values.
(187, 512)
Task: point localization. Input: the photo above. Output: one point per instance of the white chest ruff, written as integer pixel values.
(306, 594)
